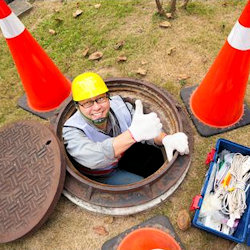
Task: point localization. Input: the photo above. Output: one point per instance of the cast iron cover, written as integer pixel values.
(32, 173)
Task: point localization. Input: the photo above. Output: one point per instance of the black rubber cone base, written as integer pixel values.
(159, 222)
(205, 130)
(22, 102)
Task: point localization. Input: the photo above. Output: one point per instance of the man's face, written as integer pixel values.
(96, 107)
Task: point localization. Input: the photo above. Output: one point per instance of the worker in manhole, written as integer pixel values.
(110, 141)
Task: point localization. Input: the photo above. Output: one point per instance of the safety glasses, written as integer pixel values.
(99, 100)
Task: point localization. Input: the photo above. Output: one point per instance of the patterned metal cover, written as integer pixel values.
(32, 173)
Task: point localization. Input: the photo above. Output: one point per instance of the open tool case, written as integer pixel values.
(242, 232)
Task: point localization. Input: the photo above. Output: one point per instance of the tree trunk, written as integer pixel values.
(184, 5)
(159, 7)
(173, 7)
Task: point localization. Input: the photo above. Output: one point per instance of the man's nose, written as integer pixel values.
(96, 105)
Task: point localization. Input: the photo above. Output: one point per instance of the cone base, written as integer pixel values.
(23, 103)
(148, 238)
(204, 129)
(158, 221)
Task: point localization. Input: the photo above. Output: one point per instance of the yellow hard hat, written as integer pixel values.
(87, 85)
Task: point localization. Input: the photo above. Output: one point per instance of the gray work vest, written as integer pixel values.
(123, 116)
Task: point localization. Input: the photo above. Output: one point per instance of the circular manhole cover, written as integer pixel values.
(31, 178)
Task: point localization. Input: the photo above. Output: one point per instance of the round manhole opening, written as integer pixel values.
(31, 178)
(139, 196)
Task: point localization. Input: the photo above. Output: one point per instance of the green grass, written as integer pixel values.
(156, 17)
(197, 33)
(200, 9)
(91, 29)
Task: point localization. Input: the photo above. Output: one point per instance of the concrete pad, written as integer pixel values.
(20, 7)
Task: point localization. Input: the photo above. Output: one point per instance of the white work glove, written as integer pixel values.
(177, 141)
(144, 126)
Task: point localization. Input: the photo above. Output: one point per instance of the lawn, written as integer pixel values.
(172, 58)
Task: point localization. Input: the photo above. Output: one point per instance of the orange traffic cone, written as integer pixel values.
(148, 239)
(218, 101)
(45, 86)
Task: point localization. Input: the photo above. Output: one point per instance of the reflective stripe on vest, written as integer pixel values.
(11, 26)
(239, 37)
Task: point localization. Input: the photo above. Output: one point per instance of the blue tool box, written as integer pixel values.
(242, 233)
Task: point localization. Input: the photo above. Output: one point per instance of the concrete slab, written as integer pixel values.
(20, 7)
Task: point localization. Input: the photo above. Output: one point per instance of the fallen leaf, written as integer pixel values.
(97, 6)
(100, 230)
(109, 219)
(141, 71)
(165, 24)
(58, 19)
(183, 77)
(183, 220)
(77, 13)
(96, 56)
(85, 52)
(171, 50)
(121, 58)
(169, 15)
(92, 50)
(119, 45)
(52, 32)
(204, 60)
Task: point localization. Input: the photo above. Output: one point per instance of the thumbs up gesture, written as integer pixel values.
(177, 141)
(144, 126)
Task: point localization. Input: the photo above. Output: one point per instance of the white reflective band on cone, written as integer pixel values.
(11, 26)
(239, 37)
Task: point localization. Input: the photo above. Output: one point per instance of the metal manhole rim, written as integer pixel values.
(124, 211)
(127, 187)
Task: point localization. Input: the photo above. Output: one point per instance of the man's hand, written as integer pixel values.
(144, 126)
(177, 141)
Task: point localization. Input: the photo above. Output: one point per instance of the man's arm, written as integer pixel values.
(143, 127)
(177, 141)
(86, 152)
(159, 138)
(122, 142)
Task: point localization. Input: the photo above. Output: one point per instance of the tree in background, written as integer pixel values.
(172, 8)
